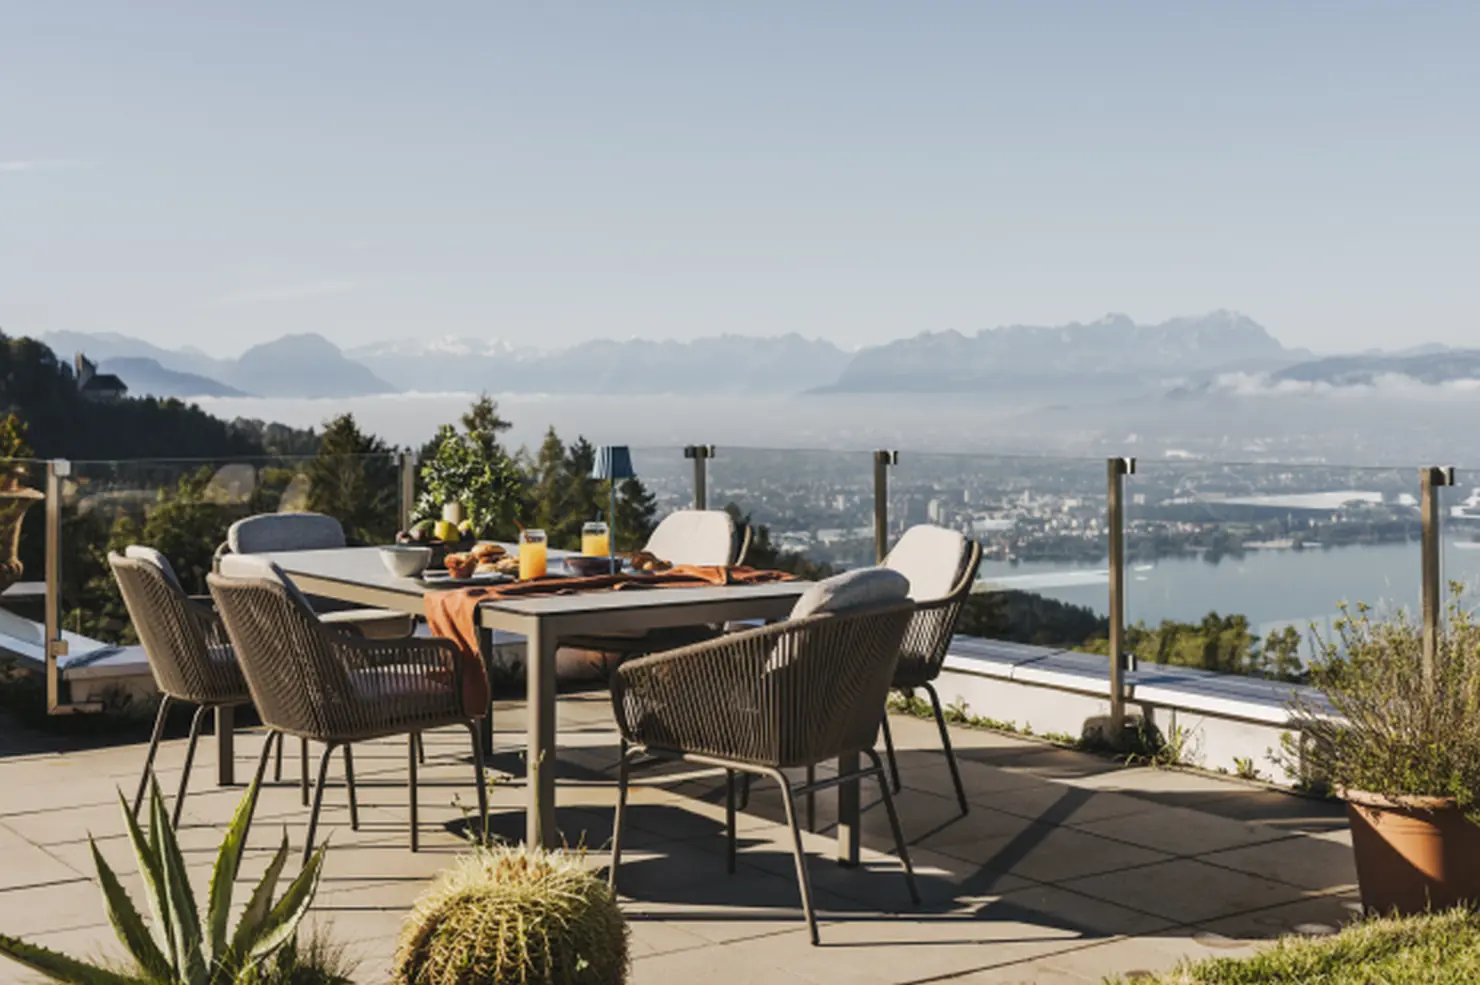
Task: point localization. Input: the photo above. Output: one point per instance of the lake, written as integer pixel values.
(1273, 588)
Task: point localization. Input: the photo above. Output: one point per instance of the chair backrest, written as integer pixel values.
(942, 570)
(932, 558)
(694, 537)
(189, 652)
(827, 682)
(297, 682)
(267, 532)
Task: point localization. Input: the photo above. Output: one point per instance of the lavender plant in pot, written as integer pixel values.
(1399, 741)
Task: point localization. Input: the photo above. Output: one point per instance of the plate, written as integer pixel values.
(441, 577)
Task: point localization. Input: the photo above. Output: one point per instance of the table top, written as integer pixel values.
(360, 567)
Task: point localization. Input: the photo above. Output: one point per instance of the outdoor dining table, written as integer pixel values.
(356, 575)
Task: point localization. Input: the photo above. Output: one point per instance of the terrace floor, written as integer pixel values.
(1067, 868)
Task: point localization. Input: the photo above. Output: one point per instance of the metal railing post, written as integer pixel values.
(407, 464)
(883, 460)
(700, 454)
(1116, 470)
(1430, 480)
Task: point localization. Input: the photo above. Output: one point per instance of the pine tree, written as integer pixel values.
(637, 512)
(353, 479)
(545, 504)
(484, 424)
(585, 498)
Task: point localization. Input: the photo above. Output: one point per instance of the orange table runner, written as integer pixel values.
(453, 614)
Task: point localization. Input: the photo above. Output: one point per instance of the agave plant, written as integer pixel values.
(181, 948)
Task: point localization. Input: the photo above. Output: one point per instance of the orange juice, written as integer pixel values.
(532, 556)
(595, 545)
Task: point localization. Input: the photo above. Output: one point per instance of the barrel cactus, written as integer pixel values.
(507, 915)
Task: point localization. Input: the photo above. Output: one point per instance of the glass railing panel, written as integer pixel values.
(666, 476)
(1241, 568)
(22, 520)
(1044, 578)
(809, 511)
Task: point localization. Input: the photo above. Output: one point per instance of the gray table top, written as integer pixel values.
(361, 566)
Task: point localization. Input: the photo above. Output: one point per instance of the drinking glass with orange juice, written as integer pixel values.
(595, 539)
(532, 555)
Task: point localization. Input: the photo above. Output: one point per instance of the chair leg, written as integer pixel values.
(195, 723)
(730, 836)
(481, 779)
(303, 771)
(811, 799)
(889, 748)
(411, 764)
(318, 801)
(262, 770)
(421, 749)
(159, 720)
(277, 770)
(904, 852)
(788, 799)
(744, 791)
(349, 783)
(617, 816)
(945, 741)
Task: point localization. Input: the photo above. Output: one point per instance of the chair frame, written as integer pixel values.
(732, 703)
(923, 655)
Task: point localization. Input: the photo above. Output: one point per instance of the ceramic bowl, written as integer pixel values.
(406, 560)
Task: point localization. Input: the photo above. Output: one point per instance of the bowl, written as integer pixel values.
(584, 566)
(406, 560)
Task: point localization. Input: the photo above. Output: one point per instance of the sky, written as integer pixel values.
(218, 175)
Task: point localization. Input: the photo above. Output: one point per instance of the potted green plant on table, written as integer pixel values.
(15, 497)
(468, 489)
(1399, 741)
(184, 946)
(505, 915)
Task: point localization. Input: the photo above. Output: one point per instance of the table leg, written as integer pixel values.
(225, 745)
(540, 769)
(485, 727)
(848, 822)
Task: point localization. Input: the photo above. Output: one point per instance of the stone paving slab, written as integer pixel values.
(1066, 868)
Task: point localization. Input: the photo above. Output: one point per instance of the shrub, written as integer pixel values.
(1389, 731)
(181, 948)
(508, 915)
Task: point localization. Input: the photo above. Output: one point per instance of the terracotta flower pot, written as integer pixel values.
(1413, 853)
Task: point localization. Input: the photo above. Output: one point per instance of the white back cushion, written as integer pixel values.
(694, 537)
(284, 532)
(149, 555)
(247, 566)
(850, 590)
(931, 558)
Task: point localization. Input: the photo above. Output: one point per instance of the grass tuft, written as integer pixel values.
(1436, 949)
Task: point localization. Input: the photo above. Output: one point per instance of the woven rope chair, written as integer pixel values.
(922, 655)
(314, 683)
(759, 702)
(188, 650)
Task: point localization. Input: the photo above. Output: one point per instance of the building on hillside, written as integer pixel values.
(101, 387)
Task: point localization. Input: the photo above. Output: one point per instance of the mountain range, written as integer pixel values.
(1111, 357)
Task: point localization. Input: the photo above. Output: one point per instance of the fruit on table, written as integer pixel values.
(447, 532)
